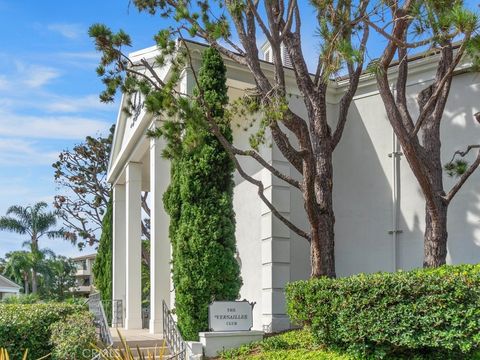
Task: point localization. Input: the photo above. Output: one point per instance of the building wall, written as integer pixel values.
(270, 255)
(363, 180)
(363, 202)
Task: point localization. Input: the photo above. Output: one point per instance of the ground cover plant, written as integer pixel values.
(426, 314)
(292, 345)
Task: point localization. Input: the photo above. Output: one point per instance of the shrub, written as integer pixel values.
(27, 326)
(22, 299)
(102, 267)
(73, 336)
(199, 201)
(433, 313)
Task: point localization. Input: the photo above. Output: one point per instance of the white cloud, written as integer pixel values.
(40, 77)
(49, 127)
(51, 102)
(34, 76)
(84, 55)
(24, 153)
(4, 83)
(70, 31)
(77, 104)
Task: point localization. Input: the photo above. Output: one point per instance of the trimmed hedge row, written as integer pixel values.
(71, 339)
(427, 313)
(28, 326)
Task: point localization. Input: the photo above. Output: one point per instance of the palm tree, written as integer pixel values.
(18, 267)
(35, 222)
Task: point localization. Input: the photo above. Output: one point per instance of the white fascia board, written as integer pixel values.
(117, 135)
(417, 66)
(121, 153)
(10, 290)
(13, 284)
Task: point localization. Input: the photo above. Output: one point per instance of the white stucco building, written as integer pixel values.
(378, 205)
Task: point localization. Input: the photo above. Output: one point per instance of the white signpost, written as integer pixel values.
(230, 316)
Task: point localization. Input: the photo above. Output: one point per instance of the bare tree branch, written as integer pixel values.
(453, 191)
(438, 89)
(463, 153)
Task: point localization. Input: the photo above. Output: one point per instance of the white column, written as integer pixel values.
(159, 240)
(119, 244)
(133, 316)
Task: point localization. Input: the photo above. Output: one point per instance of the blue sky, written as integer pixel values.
(49, 90)
(49, 93)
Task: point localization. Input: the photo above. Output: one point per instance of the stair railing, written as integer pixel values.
(172, 336)
(96, 308)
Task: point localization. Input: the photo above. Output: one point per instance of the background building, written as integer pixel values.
(8, 288)
(83, 274)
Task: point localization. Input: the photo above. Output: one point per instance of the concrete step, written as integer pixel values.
(152, 351)
(142, 343)
(140, 347)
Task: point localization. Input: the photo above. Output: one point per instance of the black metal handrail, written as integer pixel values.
(172, 336)
(114, 312)
(95, 306)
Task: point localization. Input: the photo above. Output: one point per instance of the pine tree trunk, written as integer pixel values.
(323, 234)
(322, 247)
(435, 238)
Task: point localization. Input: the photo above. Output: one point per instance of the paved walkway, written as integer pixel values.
(140, 337)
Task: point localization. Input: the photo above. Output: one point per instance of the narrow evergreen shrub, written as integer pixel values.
(200, 204)
(427, 313)
(72, 339)
(27, 326)
(102, 267)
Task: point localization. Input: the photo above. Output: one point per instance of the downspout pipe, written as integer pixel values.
(395, 155)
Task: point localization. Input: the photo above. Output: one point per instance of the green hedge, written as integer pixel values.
(433, 313)
(72, 339)
(27, 326)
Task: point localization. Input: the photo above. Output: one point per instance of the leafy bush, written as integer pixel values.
(432, 313)
(21, 299)
(27, 326)
(73, 336)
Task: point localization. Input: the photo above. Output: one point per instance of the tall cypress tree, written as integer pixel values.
(102, 268)
(200, 204)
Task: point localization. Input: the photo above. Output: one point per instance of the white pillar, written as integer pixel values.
(159, 240)
(119, 245)
(133, 317)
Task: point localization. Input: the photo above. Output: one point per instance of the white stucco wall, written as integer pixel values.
(363, 184)
(363, 197)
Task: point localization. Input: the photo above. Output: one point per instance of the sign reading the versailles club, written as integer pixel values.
(230, 316)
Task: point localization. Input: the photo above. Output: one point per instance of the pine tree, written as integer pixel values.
(200, 204)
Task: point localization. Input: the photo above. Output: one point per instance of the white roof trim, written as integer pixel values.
(8, 281)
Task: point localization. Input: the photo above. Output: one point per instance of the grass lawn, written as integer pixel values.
(292, 345)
